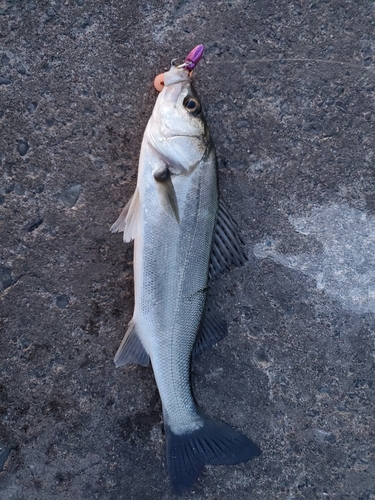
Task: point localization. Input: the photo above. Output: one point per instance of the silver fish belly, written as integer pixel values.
(181, 236)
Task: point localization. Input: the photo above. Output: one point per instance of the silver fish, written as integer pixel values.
(182, 237)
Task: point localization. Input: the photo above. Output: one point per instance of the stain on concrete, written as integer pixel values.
(345, 269)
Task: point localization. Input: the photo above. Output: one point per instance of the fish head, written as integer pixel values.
(177, 131)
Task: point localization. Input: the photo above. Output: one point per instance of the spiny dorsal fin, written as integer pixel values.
(213, 329)
(128, 222)
(227, 246)
(131, 350)
(167, 193)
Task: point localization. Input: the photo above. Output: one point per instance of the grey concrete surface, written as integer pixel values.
(289, 93)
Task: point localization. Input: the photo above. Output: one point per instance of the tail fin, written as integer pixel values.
(214, 443)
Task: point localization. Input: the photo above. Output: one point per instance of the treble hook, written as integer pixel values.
(191, 60)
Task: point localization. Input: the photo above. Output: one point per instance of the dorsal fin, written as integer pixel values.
(212, 329)
(131, 350)
(128, 221)
(227, 246)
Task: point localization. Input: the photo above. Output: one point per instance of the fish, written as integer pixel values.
(183, 237)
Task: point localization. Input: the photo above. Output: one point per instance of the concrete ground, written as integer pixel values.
(289, 95)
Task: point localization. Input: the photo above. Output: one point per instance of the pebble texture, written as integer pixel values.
(289, 95)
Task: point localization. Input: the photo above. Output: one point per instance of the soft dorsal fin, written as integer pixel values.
(213, 329)
(128, 222)
(227, 246)
(131, 350)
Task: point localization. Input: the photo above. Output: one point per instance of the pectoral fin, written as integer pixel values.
(128, 222)
(227, 246)
(167, 193)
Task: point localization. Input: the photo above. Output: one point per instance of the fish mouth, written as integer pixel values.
(176, 75)
(180, 134)
(199, 136)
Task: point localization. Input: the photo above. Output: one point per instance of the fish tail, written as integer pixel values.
(215, 443)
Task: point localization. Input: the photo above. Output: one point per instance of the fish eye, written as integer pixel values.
(192, 105)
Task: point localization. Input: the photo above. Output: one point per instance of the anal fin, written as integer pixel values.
(131, 350)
